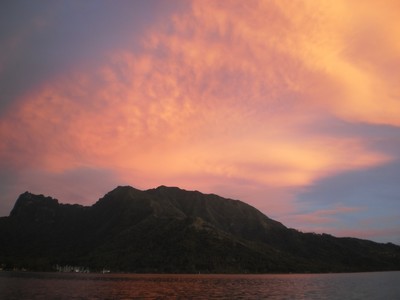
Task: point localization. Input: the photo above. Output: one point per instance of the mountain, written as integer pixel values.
(168, 229)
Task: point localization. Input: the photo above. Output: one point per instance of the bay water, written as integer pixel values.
(28, 285)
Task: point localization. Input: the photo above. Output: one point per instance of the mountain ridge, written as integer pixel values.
(168, 229)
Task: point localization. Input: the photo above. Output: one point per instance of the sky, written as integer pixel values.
(290, 106)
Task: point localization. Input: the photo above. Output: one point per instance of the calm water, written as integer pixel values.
(381, 285)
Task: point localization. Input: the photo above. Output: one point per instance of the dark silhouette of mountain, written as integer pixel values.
(172, 230)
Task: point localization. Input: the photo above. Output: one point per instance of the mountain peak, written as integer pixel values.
(29, 205)
(120, 193)
(123, 189)
(168, 188)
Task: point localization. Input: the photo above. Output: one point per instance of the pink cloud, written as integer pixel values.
(224, 93)
(323, 217)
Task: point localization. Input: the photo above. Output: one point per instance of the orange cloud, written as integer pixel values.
(224, 92)
(356, 47)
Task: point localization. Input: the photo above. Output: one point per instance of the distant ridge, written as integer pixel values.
(170, 230)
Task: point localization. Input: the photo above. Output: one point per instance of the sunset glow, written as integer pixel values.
(290, 106)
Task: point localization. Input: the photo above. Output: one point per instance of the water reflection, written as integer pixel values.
(384, 285)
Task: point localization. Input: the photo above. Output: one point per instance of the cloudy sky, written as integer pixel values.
(290, 106)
